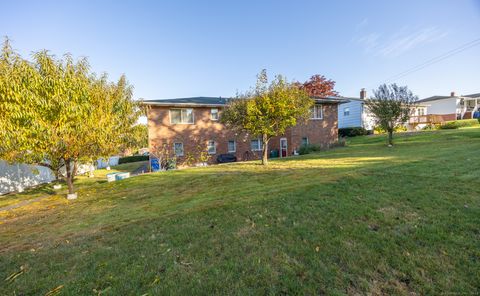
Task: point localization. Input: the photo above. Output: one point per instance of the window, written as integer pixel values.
(346, 111)
(421, 111)
(214, 114)
(232, 146)
(178, 149)
(211, 147)
(317, 112)
(256, 145)
(183, 116)
(304, 141)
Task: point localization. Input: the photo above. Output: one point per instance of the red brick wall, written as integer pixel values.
(323, 132)
(195, 136)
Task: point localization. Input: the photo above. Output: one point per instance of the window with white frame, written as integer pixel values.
(178, 149)
(214, 114)
(421, 111)
(304, 141)
(211, 147)
(316, 112)
(256, 145)
(232, 146)
(181, 116)
(346, 111)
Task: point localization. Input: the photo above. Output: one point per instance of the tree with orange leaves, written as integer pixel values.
(319, 86)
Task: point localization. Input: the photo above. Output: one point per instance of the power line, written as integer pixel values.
(434, 60)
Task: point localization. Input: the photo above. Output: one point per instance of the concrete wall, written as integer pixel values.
(17, 177)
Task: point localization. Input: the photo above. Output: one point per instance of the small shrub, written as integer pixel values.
(133, 158)
(306, 149)
(448, 125)
(454, 124)
(398, 129)
(340, 143)
(429, 127)
(352, 132)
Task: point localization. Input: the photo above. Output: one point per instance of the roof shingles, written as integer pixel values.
(219, 101)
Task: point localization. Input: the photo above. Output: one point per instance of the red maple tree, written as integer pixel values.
(319, 86)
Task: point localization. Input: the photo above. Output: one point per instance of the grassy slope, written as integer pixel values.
(360, 219)
(47, 189)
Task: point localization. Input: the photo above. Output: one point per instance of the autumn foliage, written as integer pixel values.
(319, 86)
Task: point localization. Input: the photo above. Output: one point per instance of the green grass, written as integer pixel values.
(363, 219)
(47, 190)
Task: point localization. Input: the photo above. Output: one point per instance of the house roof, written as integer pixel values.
(219, 101)
(193, 101)
(433, 98)
(331, 100)
(473, 95)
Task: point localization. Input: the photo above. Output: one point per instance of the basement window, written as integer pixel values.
(178, 149)
(256, 145)
(232, 146)
(304, 141)
(211, 147)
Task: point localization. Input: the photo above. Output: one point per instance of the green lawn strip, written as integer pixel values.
(360, 219)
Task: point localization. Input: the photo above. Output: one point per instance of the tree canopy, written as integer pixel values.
(268, 110)
(319, 86)
(56, 113)
(391, 107)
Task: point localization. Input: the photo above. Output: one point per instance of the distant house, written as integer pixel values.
(453, 107)
(354, 114)
(186, 126)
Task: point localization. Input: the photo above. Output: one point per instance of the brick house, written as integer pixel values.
(187, 125)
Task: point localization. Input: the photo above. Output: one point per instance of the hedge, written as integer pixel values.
(352, 132)
(306, 149)
(454, 124)
(133, 158)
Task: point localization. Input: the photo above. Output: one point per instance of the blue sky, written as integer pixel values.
(215, 48)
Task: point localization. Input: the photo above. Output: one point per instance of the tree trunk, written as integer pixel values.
(265, 150)
(70, 176)
(390, 137)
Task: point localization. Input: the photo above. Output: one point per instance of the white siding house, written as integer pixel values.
(354, 113)
(350, 114)
(453, 107)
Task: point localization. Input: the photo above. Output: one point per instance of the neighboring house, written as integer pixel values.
(354, 114)
(187, 125)
(103, 163)
(17, 177)
(453, 107)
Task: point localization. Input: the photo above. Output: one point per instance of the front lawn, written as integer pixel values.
(363, 219)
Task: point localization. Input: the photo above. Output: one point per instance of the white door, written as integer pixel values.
(283, 147)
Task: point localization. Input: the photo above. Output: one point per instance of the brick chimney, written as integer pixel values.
(363, 94)
(452, 94)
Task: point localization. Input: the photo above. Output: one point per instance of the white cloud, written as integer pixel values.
(369, 42)
(361, 24)
(399, 43)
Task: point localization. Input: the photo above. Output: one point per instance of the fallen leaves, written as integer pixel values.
(55, 291)
(16, 274)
